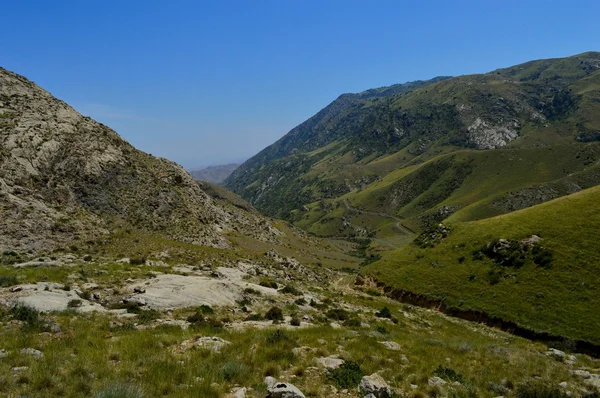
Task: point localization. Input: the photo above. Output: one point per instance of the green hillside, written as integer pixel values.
(467, 147)
(551, 286)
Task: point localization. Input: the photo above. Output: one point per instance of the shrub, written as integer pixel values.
(278, 336)
(448, 374)
(231, 370)
(29, 316)
(6, 281)
(146, 316)
(338, 314)
(352, 323)
(295, 321)
(137, 261)
(75, 303)
(254, 317)
(289, 289)
(274, 314)
(384, 313)
(205, 310)
(542, 257)
(348, 375)
(268, 283)
(249, 290)
(381, 329)
(300, 301)
(195, 318)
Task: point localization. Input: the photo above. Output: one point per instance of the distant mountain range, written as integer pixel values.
(214, 174)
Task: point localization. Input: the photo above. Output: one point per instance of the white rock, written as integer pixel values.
(330, 362)
(391, 345)
(282, 390)
(240, 393)
(376, 386)
(33, 352)
(436, 381)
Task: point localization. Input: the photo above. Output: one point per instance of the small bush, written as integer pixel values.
(384, 313)
(295, 321)
(146, 316)
(289, 289)
(278, 336)
(205, 310)
(6, 281)
(195, 318)
(448, 374)
(300, 301)
(137, 261)
(75, 303)
(348, 375)
(254, 317)
(381, 329)
(232, 370)
(338, 314)
(268, 283)
(274, 314)
(29, 316)
(249, 290)
(542, 257)
(352, 323)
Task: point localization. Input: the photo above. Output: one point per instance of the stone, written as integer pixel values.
(391, 345)
(277, 389)
(214, 344)
(33, 352)
(240, 393)
(331, 362)
(436, 381)
(556, 353)
(376, 386)
(564, 384)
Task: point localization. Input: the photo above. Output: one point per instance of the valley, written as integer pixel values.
(402, 242)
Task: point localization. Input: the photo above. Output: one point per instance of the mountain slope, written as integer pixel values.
(65, 177)
(546, 285)
(365, 154)
(214, 174)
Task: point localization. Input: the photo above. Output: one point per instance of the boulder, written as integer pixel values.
(375, 386)
(282, 390)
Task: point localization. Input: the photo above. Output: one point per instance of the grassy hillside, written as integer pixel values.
(556, 296)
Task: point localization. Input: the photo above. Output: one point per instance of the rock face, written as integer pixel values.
(374, 386)
(64, 176)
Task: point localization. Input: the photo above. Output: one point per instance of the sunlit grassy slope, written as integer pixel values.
(560, 300)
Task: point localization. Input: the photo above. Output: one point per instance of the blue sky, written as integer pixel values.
(208, 82)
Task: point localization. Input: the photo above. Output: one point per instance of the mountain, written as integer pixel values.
(214, 174)
(387, 163)
(65, 177)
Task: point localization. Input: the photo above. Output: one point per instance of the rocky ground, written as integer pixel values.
(244, 329)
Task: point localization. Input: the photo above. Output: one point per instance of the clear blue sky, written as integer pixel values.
(208, 82)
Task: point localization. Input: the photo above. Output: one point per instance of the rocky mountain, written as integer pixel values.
(392, 161)
(214, 174)
(65, 177)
